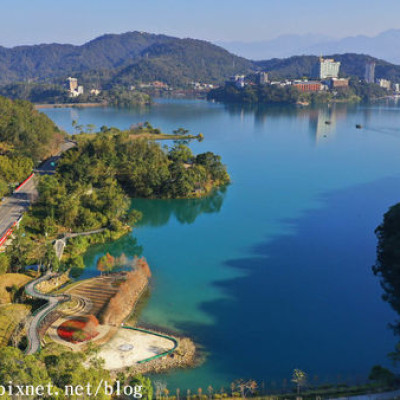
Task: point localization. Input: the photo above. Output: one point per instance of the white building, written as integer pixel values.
(384, 83)
(326, 68)
(73, 88)
(238, 80)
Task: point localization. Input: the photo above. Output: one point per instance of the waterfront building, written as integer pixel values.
(309, 86)
(238, 81)
(326, 68)
(337, 83)
(73, 88)
(384, 83)
(262, 78)
(370, 72)
(72, 84)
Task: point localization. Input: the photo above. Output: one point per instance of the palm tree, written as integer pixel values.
(299, 377)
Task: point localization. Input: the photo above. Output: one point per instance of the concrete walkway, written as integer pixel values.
(59, 244)
(34, 324)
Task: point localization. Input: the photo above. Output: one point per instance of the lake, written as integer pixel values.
(274, 272)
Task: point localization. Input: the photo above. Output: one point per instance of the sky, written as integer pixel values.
(77, 21)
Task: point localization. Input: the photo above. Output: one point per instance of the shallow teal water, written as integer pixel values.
(274, 273)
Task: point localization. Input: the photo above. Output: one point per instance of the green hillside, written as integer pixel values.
(26, 137)
(125, 57)
(352, 65)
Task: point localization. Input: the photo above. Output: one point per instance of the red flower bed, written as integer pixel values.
(78, 330)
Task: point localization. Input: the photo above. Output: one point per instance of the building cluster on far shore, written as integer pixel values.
(75, 90)
(324, 76)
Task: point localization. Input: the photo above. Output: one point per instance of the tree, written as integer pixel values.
(19, 369)
(4, 263)
(50, 260)
(145, 384)
(299, 377)
(90, 128)
(19, 249)
(181, 153)
(382, 376)
(181, 131)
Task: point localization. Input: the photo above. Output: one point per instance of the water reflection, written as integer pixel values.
(127, 245)
(322, 118)
(159, 212)
(323, 121)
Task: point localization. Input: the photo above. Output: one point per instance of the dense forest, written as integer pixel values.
(142, 168)
(26, 137)
(388, 256)
(119, 58)
(92, 187)
(387, 265)
(54, 369)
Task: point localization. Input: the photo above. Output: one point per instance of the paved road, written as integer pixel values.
(12, 208)
(52, 303)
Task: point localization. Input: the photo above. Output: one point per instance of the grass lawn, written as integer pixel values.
(6, 283)
(10, 317)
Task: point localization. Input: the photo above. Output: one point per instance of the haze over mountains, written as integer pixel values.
(384, 46)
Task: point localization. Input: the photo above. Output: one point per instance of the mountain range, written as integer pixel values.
(127, 56)
(133, 57)
(384, 46)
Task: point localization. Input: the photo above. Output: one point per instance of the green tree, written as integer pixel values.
(382, 376)
(145, 384)
(299, 377)
(50, 259)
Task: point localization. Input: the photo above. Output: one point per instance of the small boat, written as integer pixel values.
(328, 122)
(358, 126)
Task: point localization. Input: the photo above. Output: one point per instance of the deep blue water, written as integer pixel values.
(273, 273)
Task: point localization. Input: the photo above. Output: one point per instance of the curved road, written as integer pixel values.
(13, 207)
(53, 302)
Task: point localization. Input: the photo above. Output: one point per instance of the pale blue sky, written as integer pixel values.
(77, 21)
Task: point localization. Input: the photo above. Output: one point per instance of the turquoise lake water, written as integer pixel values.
(274, 272)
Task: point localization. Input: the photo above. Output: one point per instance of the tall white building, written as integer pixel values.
(326, 68)
(370, 72)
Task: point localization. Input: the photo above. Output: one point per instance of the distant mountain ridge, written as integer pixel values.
(133, 57)
(112, 53)
(383, 45)
(280, 47)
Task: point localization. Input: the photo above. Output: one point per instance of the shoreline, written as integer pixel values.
(69, 105)
(183, 354)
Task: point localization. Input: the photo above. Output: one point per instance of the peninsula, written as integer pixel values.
(75, 199)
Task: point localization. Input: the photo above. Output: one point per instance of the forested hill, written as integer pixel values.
(130, 55)
(26, 137)
(352, 65)
(184, 60)
(134, 57)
